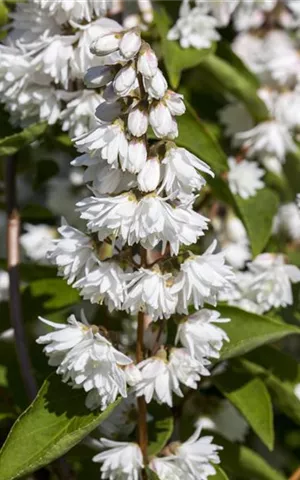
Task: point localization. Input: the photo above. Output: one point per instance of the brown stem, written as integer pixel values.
(295, 475)
(141, 402)
(13, 260)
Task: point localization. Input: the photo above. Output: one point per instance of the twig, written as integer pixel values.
(142, 407)
(13, 260)
(295, 475)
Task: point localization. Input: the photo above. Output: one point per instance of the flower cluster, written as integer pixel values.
(134, 255)
(44, 57)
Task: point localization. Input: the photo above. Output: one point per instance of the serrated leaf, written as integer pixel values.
(245, 463)
(248, 331)
(225, 78)
(175, 57)
(55, 422)
(220, 474)
(251, 397)
(13, 143)
(160, 429)
(257, 214)
(150, 474)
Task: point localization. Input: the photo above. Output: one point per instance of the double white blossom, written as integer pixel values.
(244, 177)
(119, 460)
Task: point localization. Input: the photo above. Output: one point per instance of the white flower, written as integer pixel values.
(166, 468)
(158, 381)
(201, 278)
(235, 118)
(241, 295)
(137, 155)
(251, 14)
(287, 109)
(222, 10)
(108, 215)
(4, 286)
(244, 177)
(147, 61)
(272, 280)
(185, 368)
(150, 291)
(162, 121)
(194, 29)
(120, 460)
(37, 240)
(195, 456)
(288, 221)
(156, 221)
(133, 375)
(138, 121)
(103, 283)
(73, 253)
(87, 360)
(107, 43)
(226, 420)
(200, 336)
(125, 80)
(78, 115)
(64, 338)
(182, 171)
(149, 177)
(108, 141)
(268, 137)
(156, 85)
(237, 254)
(121, 420)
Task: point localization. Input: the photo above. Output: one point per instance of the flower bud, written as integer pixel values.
(137, 155)
(175, 103)
(133, 375)
(138, 121)
(156, 86)
(106, 44)
(162, 122)
(149, 176)
(147, 61)
(125, 80)
(130, 43)
(96, 77)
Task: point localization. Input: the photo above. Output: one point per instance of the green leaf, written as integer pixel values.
(280, 373)
(245, 463)
(225, 78)
(55, 422)
(220, 475)
(3, 13)
(160, 429)
(175, 57)
(54, 293)
(150, 474)
(194, 136)
(10, 145)
(251, 397)
(257, 215)
(248, 331)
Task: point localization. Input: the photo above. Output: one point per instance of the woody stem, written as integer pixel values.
(141, 402)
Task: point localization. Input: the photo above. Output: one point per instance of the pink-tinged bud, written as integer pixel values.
(130, 43)
(96, 77)
(125, 81)
(149, 176)
(106, 44)
(156, 86)
(137, 155)
(175, 103)
(138, 121)
(147, 61)
(162, 122)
